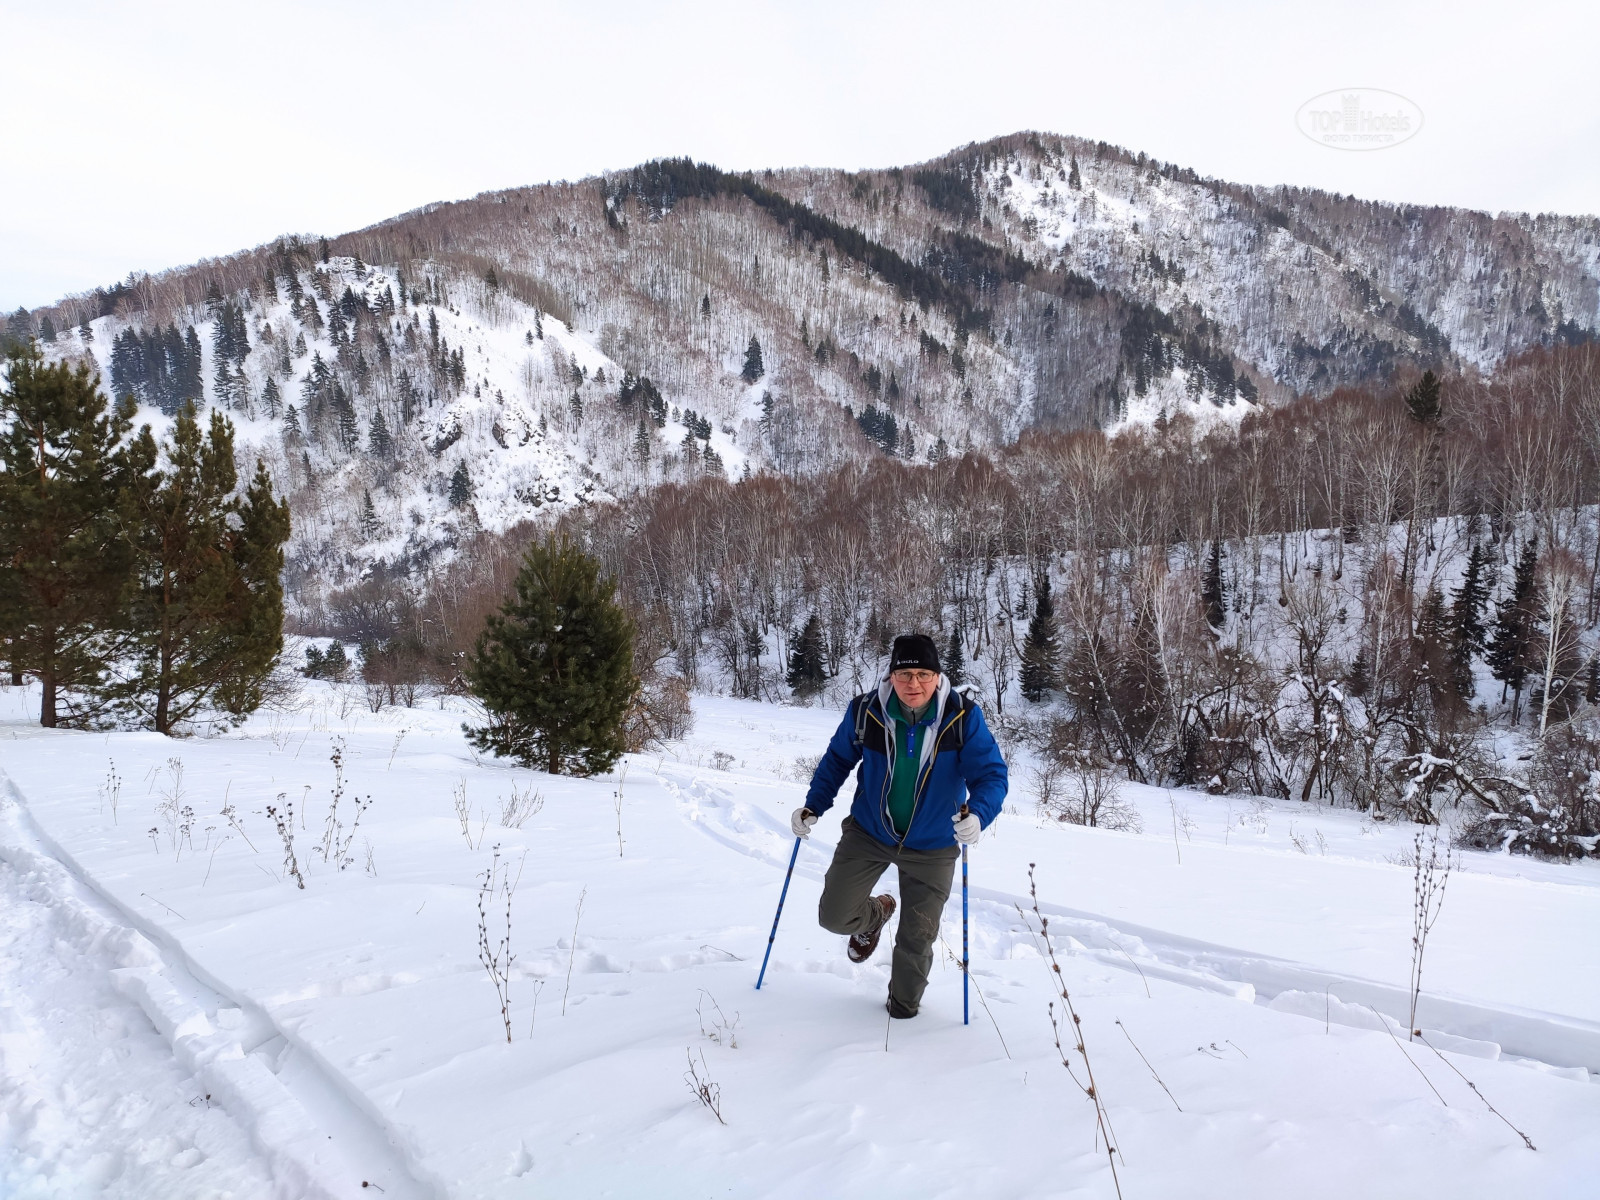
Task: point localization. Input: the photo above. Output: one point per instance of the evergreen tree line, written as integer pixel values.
(139, 583)
(159, 367)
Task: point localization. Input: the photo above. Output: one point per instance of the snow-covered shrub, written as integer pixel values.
(1557, 814)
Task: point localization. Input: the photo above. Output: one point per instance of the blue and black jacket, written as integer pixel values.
(959, 764)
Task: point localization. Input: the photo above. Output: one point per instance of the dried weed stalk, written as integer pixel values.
(708, 1093)
(522, 804)
(1428, 883)
(1526, 1140)
(496, 957)
(111, 789)
(722, 1031)
(284, 821)
(1090, 1088)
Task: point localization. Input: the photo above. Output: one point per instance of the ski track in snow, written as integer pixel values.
(204, 1077)
(998, 926)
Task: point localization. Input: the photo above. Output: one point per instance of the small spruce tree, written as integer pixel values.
(554, 667)
(807, 668)
(1213, 595)
(1467, 635)
(754, 368)
(1511, 645)
(1423, 400)
(1040, 654)
(379, 441)
(460, 486)
(955, 662)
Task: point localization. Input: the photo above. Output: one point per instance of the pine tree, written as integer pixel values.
(1213, 595)
(1075, 180)
(379, 442)
(64, 568)
(222, 386)
(1040, 655)
(349, 429)
(335, 663)
(754, 368)
(291, 423)
(807, 665)
(369, 517)
(1423, 400)
(47, 330)
(641, 443)
(955, 662)
(554, 667)
(460, 486)
(1511, 645)
(1467, 635)
(1466, 607)
(207, 614)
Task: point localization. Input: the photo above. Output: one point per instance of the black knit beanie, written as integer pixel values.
(916, 652)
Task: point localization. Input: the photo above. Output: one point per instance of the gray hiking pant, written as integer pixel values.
(925, 878)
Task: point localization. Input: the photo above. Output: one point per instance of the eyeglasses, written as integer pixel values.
(922, 677)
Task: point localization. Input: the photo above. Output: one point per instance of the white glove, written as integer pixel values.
(968, 828)
(802, 821)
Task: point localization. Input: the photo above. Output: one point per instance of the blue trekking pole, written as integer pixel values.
(784, 896)
(966, 978)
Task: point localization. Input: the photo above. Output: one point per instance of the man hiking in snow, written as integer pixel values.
(931, 778)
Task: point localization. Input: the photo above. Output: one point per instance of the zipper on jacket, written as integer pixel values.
(922, 784)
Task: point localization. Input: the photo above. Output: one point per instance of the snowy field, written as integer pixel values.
(179, 1019)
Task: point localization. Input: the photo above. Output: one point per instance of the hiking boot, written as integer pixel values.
(861, 945)
(897, 1010)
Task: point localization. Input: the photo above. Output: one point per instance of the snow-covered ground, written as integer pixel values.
(156, 954)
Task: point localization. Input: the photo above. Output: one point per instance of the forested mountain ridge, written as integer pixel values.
(462, 366)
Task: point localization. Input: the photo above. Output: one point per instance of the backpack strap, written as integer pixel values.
(962, 706)
(859, 707)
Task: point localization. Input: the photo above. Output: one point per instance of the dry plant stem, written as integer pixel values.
(233, 819)
(708, 1093)
(113, 787)
(1173, 805)
(617, 795)
(496, 957)
(331, 829)
(1428, 884)
(395, 749)
(1408, 1057)
(538, 986)
(213, 859)
(285, 825)
(166, 906)
(1146, 1062)
(1091, 1089)
(572, 951)
(1526, 1140)
(981, 999)
(1136, 967)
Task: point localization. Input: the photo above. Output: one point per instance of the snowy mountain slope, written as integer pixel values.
(1029, 281)
(638, 932)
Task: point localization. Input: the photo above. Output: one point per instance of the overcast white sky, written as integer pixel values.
(145, 136)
